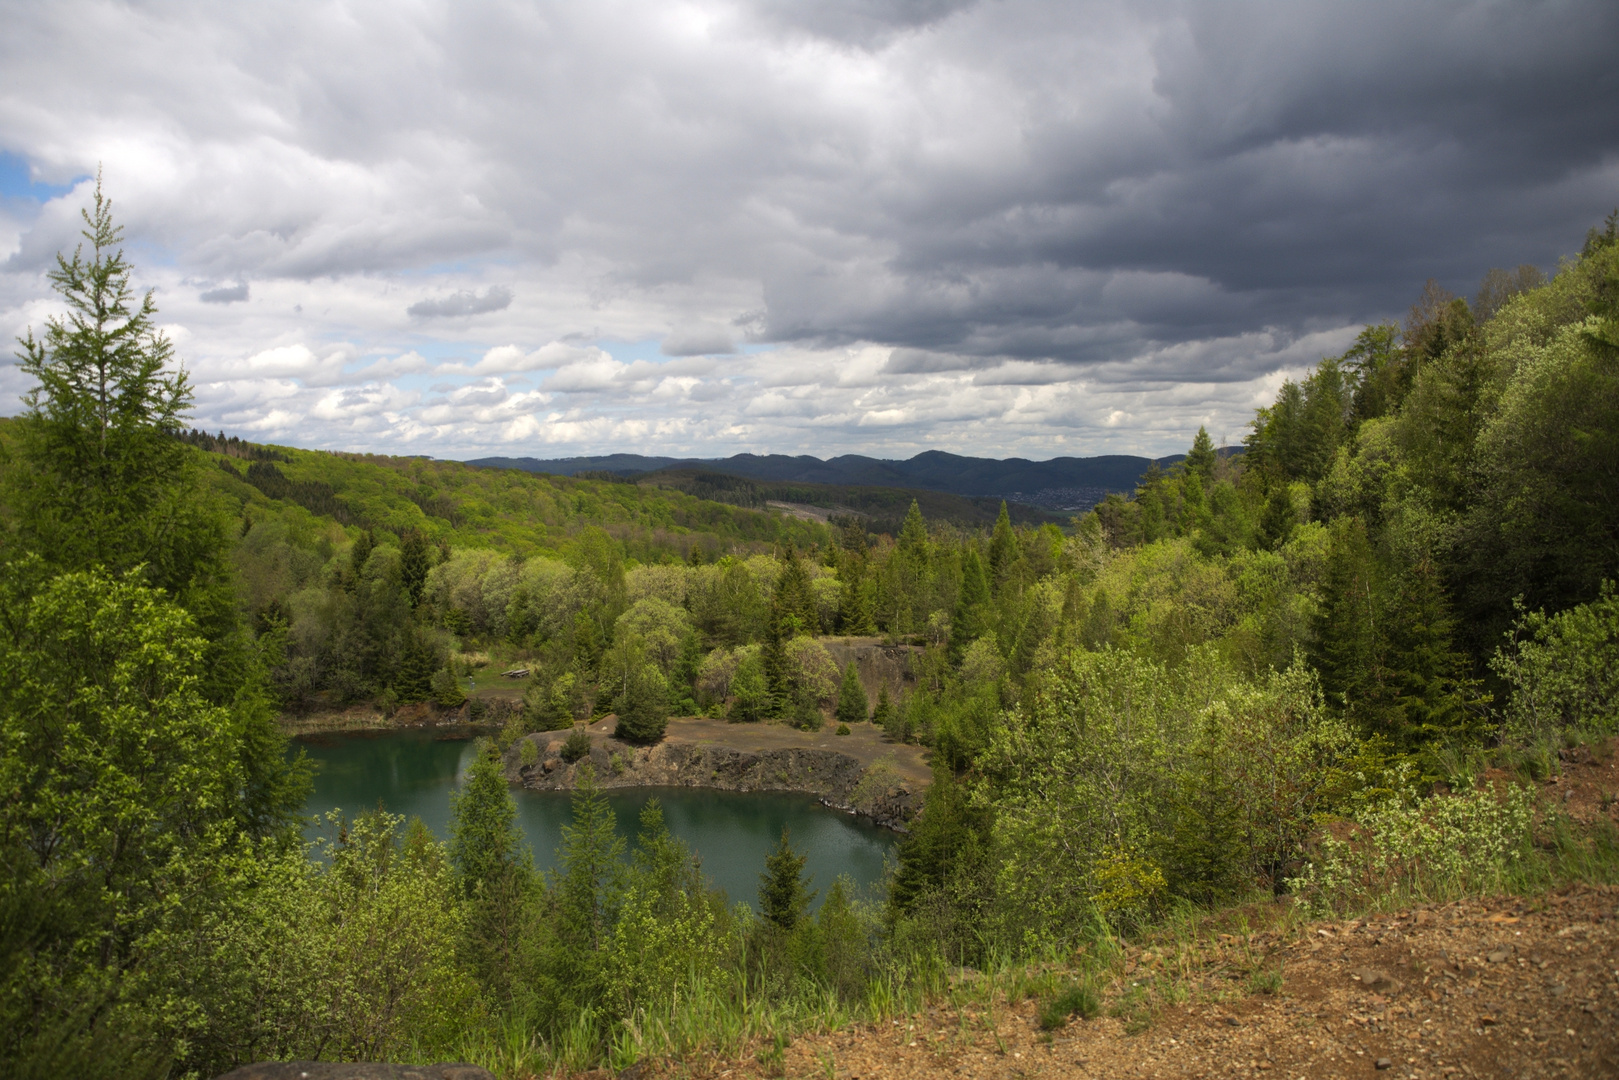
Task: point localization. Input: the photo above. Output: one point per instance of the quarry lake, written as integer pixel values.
(413, 772)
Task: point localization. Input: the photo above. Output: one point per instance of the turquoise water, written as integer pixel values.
(413, 773)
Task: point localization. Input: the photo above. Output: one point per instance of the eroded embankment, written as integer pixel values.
(878, 790)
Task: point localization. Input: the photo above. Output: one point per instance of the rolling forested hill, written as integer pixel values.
(1062, 484)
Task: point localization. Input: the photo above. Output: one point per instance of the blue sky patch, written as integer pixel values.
(15, 182)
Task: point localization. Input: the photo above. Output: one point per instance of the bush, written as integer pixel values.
(1128, 783)
(843, 729)
(1435, 847)
(528, 753)
(576, 745)
(553, 704)
(1564, 672)
(447, 690)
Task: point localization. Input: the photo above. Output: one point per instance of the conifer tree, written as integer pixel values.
(485, 845)
(1200, 459)
(643, 704)
(414, 562)
(884, 710)
(784, 893)
(591, 853)
(414, 682)
(851, 698)
(913, 535)
(1003, 549)
(106, 480)
(967, 623)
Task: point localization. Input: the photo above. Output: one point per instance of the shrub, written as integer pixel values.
(843, 729)
(447, 690)
(1435, 847)
(528, 753)
(576, 745)
(1564, 672)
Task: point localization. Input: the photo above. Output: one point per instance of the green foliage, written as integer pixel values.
(1003, 550)
(1078, 998)
(446, 689)
(576, 745)
(103, 479)
(353, 960)
(1563, 671)
(642, 704)
(1424, 849)
(484, 843)
(122, 785)
(1125, 781)
(882, 713)
(751, 691)
(414, 681)
(851, 698)
(784, 893)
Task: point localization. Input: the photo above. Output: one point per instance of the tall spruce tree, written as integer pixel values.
(106, 480)
(1003, 549)
(784, 893)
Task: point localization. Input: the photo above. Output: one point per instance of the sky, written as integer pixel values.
(998, 228)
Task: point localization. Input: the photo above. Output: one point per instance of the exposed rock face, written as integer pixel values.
(836, 778)
(878, 663)
(334, 1070)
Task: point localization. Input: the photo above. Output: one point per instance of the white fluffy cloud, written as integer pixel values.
(861, 225)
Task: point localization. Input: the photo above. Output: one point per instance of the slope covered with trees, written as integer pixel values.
(1280, 673)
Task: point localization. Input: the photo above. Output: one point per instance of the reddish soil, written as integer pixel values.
(1512, 987)
(1504, 989)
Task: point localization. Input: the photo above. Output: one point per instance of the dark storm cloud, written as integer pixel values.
(926, 207)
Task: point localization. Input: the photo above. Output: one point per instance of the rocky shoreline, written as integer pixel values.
(838, 780)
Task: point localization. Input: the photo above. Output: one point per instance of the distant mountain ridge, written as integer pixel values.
(1065, 483)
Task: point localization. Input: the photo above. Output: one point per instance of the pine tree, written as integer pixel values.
(851, 698)
(1003, 550)
(484, 842)
(793, 610)
(967, 623)
(643, 704)
(913, 535)
(414, 682)
(884, 710)
(1201, 458)
(1278, 520)
(784, 894)
(447, 690)
(106, 479)
(414, 562)
(591, 853)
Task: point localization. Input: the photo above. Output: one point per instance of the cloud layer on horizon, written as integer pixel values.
(802, 227)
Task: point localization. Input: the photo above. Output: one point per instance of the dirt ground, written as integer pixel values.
(865, 742)
(1473, 990)
(1511, 987)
